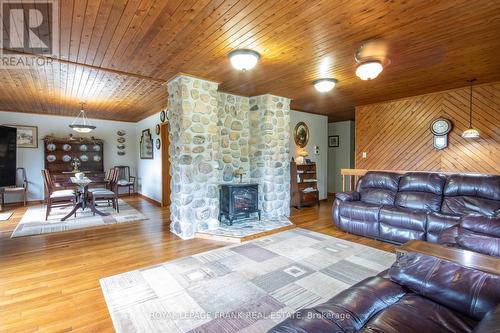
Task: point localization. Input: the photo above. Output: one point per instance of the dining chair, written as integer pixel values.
(105, 194)
(21, 186)
(125, 179)
(56, 198)
(107, 183)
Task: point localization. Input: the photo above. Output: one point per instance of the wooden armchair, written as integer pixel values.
(125, 179)
(20, 187)
(56, 198)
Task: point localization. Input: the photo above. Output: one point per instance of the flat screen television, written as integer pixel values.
(8, 136)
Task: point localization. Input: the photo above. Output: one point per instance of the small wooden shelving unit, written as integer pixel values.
(303, 185)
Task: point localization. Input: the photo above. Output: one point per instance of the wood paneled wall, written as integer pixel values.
(396, 134)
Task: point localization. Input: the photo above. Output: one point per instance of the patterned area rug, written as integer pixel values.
(239, 288)
(5, 216)
(33, 221)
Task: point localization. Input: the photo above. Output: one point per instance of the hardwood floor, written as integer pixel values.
(50, 283)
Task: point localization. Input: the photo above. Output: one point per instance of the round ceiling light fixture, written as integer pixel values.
(81, 124)
(471, 132)
(244, 59)
(369, 70)
(324, 85)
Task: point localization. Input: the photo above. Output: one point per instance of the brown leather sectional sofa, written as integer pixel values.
(401, 207)
(418, 294)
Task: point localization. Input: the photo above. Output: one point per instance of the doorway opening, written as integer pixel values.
(165, 166)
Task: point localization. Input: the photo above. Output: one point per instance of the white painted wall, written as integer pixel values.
(149, 171)
(33, 159)
(341, 157)
(318, 136)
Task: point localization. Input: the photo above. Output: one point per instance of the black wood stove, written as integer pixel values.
(238, 200)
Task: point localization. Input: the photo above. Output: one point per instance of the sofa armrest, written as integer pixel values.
(478, 242)
(490, 322)
(349, 311)
(347, 196)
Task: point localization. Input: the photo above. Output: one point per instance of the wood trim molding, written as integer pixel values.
(150, 200)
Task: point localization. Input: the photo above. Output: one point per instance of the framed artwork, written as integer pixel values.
(301, 134)
(162, 116)
(27, 136)
(146, 145)
(158, 143)
(157, 129)
(333, 141)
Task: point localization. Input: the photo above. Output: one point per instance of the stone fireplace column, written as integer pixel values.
(268, 152)
(192, 116)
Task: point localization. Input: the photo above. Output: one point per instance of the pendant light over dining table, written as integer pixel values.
(81, 124)
(471, 132)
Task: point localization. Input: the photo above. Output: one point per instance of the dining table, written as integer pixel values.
(83, 197)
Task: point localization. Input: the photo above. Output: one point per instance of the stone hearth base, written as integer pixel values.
(247, 229)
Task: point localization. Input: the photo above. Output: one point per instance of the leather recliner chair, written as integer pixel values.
(418, 294)
(415, 205)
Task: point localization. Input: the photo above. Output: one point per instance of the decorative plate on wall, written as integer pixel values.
(51, 158)
(83, 148)
(120, 153)
(301, 134)
(121, 147)
(121, 140)
(96, 148)
(66, 158)
(97, 158)
(84, 158)
(158, 143)
(66, 147)
(157, 129)
(162, 116)
(51, 147)
(121, 133)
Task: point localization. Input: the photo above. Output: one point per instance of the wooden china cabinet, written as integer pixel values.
(59, 153)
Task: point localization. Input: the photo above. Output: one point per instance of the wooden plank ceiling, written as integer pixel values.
(117, 54)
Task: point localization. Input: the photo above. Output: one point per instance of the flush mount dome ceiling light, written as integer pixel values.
(371, 58)
(324, 85)
(369, 70)
(81, 124)
(244, 59)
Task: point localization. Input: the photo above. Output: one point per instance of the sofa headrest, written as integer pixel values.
(483, 186)
(422, 182)
(380, 180)
(468, 291)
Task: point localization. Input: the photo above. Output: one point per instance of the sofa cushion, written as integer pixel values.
(348, 311)
(402, 224)
(437, 223)
(473, 294)
(379, 188)
(449, 236)
(415, 314)
(470, 194)
(347, 196)
(359, 218)
(484, 224)
(422, 182)
(478, 242)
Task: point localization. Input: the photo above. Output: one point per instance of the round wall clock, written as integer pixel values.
(301, 134)
(441, 126)
(162, 116)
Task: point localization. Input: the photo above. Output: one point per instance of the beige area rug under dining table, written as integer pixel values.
(33, 222)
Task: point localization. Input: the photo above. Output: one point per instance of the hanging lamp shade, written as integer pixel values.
(81, 124)
(471, 132)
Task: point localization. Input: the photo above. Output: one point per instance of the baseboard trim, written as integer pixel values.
(150, 200)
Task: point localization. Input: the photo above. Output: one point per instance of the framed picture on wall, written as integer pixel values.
(146, 145)
(27, 136)
(333, 141)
